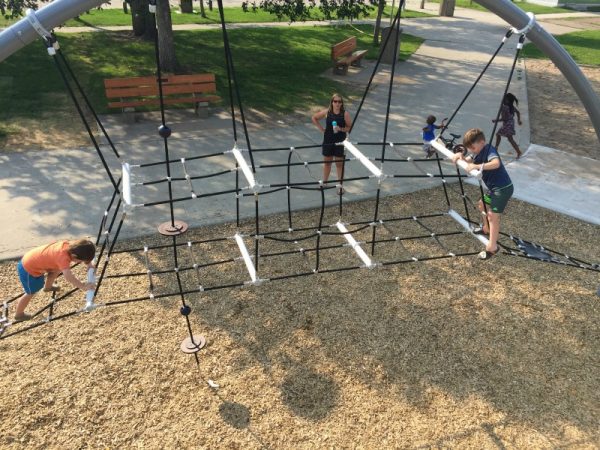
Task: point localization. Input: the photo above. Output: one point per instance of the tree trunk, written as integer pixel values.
(186, 6)
(125, 7)
(447, 8)
(202, 12)
(422, 4)
(139, 10)
(377, 31)
(166, 45)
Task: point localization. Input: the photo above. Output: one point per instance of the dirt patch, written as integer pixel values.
(557, 117)
(441, 353)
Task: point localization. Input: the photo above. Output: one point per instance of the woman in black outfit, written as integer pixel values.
(333, 135)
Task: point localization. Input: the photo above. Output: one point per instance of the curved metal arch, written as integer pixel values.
(59, 11)
(515, 16)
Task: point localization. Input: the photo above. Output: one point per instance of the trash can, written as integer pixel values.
(388, 52)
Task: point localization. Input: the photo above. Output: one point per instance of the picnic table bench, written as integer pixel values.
(129, 93)
(344, 54)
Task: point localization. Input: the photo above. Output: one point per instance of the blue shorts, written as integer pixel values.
(30, 283)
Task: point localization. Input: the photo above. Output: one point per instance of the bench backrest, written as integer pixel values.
(148, 86)
(343, 48)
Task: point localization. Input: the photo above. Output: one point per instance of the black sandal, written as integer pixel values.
(479, 230)
(486, 254)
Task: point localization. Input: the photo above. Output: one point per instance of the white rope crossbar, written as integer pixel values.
(467, 227)
(126, 179)
(89, 295)
(363, 159)
(247, 259)
(356, 246)
(245, 168)
(448, 154)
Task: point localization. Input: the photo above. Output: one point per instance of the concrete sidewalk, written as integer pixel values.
(60, 194)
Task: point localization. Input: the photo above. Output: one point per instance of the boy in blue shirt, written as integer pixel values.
(485, 158)
(429, 135)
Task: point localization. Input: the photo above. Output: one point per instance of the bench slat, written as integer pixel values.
(151, 80)
(167, 90)
(343, 48)
(143, 91)
(166, 101)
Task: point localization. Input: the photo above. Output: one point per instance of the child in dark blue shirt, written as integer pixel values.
(500, 188)
(429, 135)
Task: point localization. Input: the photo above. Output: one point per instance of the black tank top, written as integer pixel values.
(330, 137)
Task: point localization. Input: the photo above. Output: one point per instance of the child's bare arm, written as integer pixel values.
(75, 282)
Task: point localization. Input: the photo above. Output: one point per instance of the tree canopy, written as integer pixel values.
(300, 9)
(16, 8)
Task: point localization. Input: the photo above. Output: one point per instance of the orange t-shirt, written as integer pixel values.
(53, 257)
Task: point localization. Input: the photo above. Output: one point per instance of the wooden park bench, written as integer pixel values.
(343, 54)
(129, 93)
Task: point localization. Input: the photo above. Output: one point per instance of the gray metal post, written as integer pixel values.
(54, 14)
(551, 48)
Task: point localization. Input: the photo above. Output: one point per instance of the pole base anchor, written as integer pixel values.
(173, 229)
(192, 345)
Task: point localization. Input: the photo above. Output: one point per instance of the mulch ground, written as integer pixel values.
(558, 118)
(446, 353)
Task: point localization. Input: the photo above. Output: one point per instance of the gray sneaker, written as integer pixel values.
(22, 318)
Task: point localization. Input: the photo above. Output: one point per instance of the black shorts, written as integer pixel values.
(497, 198)
(333, 150)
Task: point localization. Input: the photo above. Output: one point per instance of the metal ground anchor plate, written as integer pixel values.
(173, 229)
(189, 346)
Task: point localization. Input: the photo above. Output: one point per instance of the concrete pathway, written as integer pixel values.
(50, 195)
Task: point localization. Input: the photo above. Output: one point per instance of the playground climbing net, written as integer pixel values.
(292, 245)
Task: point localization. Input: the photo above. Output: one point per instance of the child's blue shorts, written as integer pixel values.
(30, 283)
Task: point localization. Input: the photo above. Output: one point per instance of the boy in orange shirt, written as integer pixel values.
(51, 259)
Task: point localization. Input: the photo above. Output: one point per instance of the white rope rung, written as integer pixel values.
(89, 295)
(246, 256)
(127, 184)
(363, 159)
(448, 154)
(245, 167)
(356, 246)
(467, 227)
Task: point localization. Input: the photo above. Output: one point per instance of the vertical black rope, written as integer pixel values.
(322, 213)
(491, 138)
(237, 194)
(232, 77)
(229, 77)
(504, 39)
(256, 223)
(462, 192)
(164, 131)
(106, 211)
(289, 191)
(383, 47)
(110, 249)
(341, 188)
(386, 125)
(507, 86)
(110, 227)
(88, 103)
(184, 306)
(437, 157)
(82, 116)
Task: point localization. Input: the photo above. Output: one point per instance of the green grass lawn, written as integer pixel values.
(116, 17)
(583, 46)
(278, 68)
(527, 7)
